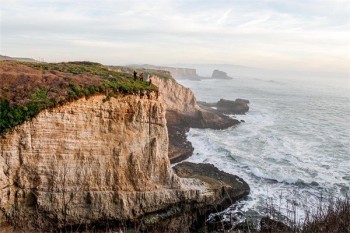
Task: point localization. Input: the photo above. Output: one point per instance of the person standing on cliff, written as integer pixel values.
(135, 75)
(141, 77)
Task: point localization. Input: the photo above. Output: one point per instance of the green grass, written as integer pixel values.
(58, 84)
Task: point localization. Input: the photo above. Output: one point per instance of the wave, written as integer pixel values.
(294, 141)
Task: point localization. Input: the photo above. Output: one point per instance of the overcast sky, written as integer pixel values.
(280, 34)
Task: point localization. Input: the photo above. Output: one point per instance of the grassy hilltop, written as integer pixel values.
(27, 88)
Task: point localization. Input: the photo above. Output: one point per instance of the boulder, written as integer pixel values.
(238, 106)
(223, 106)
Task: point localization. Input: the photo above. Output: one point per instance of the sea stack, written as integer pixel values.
(218, 74)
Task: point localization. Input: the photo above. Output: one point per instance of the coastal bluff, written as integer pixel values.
(92, 162)
(99, 161)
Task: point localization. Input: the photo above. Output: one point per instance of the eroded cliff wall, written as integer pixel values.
(87, 160)
(176, 97)
(184, 113)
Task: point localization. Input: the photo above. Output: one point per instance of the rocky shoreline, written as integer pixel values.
(184, 112)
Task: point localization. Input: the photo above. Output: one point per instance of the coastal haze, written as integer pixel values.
(290, 59)
(279, 35)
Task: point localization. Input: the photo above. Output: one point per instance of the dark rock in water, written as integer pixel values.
(217, 74)
(243, 121)
(242, 101)
(238, 106)
(314, 183)
(232, 107)
(268, 225)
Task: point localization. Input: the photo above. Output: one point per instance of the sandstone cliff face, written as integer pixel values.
(96, 162)
(176, 97)
(87, 160)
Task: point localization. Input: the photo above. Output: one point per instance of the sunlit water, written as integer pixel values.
(294, 147)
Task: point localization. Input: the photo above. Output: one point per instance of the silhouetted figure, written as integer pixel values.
(150, 81)
(135, 75)
(141, 76)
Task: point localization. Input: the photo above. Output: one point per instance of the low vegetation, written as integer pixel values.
(333, 217)
(28, 88)
(129, 69)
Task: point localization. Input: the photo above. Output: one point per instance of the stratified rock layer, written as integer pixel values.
(89, 157)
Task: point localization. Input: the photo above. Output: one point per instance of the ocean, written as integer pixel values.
(293, 149)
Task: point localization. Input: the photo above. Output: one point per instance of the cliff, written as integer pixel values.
(176, 72)
(85, 152)
(24, 59)
(182, 73)
(97, 162)
(183, 113)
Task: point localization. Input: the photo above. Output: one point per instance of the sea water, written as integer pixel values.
(293, 149)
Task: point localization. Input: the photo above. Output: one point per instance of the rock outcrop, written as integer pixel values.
(238, 106)
(226, 188)
(234, 186)
(99, 162)
(217, 74)
(184, 113)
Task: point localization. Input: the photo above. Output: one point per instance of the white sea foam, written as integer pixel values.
(295, 142)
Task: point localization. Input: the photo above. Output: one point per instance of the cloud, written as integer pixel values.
(223, 18)
(263, 33)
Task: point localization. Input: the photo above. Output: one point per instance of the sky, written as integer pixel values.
(312, 35)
